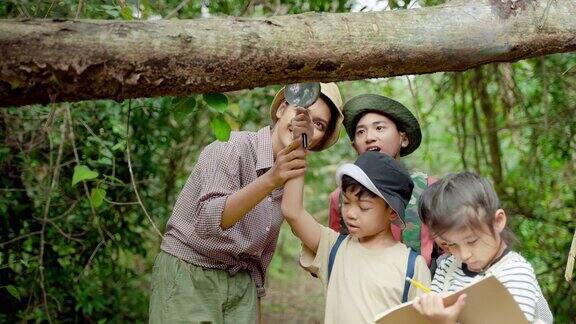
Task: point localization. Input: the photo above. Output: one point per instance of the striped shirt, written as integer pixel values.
(193, 232)
(513, 271)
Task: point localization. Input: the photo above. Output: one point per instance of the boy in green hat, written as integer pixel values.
(380, 124)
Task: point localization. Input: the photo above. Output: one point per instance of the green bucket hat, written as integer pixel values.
(356, 107)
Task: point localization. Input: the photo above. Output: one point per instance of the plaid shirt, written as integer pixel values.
(193, 232)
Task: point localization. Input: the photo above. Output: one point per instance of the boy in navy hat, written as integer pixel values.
(363, 272)
(379, 124)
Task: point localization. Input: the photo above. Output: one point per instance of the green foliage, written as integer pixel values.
(183, 107)
(216, 101)
(76, 246)
(97, 196)
(98, 246)
(220, 128)
(13, 291)
(534, 134)
(82, 172)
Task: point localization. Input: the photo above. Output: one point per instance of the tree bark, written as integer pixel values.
(43, 61)
(491, 130)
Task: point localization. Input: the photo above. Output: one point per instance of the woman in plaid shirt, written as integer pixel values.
(223, 230)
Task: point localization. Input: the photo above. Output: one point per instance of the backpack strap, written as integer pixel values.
(409, 273)
(333, 252)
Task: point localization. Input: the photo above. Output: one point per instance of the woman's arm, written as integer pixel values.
(289, 163)
(302, 223)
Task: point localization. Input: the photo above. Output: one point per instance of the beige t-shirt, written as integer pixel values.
(364, 282)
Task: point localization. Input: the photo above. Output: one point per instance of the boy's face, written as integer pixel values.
(365, 216)
(475, 247)
(376, 132)
(319, 113)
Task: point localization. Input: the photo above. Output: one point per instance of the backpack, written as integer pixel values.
(409, 268)
(411, 234)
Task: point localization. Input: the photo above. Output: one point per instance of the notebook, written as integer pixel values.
(487, 302)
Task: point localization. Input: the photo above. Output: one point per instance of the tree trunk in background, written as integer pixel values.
(45, 61)
(491, 130)
(459, 117)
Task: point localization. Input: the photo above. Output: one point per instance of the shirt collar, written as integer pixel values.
(264, 151)
(472, 273)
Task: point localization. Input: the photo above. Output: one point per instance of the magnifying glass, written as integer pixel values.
(302, 95)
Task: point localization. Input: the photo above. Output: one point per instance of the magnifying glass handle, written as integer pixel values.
(305, 140)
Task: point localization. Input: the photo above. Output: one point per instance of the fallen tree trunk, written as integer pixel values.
(43, 61)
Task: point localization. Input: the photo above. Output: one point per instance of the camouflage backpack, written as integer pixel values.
(411, 234)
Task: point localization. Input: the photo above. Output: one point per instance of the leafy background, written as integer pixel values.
(85, 187)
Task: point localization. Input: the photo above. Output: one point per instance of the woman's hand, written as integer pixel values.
(432, 307)
(290, 163)
(302, 124)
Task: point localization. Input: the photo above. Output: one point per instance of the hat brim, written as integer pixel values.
(356, 173)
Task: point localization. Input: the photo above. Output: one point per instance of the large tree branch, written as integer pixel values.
(43, 60)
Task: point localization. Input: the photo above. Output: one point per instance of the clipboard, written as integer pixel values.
(487, 302)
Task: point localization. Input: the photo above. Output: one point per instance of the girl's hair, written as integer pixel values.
(458, 201)
(350, 183)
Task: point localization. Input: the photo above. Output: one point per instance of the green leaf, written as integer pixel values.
(216, 101)
(104, 161)
(113, 12)
(114, 179)
(13, 291)
(82, 172)
(126, 13)
(106, 152)
(97, 196)
(220, 128)
(4, 151)
(121, 145)
(184, 107)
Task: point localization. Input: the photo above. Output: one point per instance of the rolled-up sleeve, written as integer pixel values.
(216, 176)
(317, 263)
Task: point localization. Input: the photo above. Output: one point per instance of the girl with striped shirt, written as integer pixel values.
(464, 216)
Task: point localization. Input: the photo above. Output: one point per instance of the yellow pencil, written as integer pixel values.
(417, 284)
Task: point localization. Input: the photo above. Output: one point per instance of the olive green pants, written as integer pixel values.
(185, 293)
